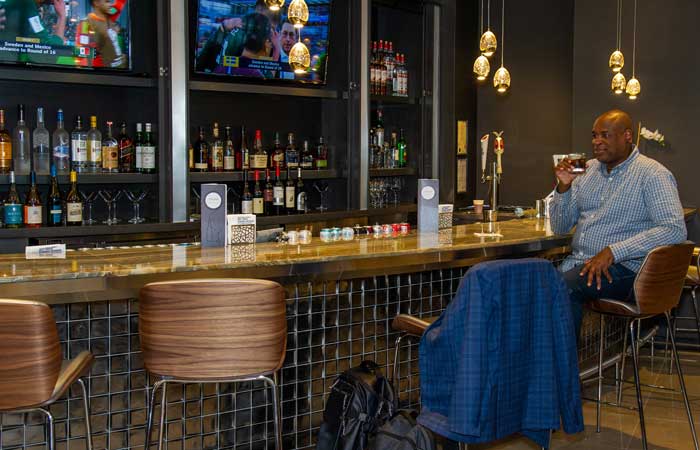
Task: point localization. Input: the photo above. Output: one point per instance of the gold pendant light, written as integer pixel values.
(633, 85)
(618, 83)
(482, 66)
(501, 79)
(298, 13)
(488, 43)
(274, 5)
(617, 59)
(299, 57)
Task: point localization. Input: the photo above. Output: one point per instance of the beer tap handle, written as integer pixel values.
(484, 156)
(499, 148)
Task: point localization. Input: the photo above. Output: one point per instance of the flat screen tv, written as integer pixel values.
(245, 39)
(90, 34)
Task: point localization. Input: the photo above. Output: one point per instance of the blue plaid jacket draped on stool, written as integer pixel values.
(502, 357)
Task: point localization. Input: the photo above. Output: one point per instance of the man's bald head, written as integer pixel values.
(612, 137)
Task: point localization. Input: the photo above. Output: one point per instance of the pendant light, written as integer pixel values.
(617, 59)
(619, 82)
(488, 42)
(298, 13)
(501, 80)
(299, 57)
(633, 85)
(274, 5)
(482, 67)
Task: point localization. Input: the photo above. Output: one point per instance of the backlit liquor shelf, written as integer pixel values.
(88, 178)
(223, 177)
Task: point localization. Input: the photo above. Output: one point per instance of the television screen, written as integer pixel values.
(74, 33)
(244, 38)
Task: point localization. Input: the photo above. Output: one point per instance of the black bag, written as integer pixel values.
(361, 400)
(402, 432)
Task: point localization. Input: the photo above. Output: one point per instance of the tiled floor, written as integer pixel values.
(664, 412)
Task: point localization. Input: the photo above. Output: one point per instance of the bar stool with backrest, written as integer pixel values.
(410, 327)
(33, 374)
(656, 291)
(212, 331)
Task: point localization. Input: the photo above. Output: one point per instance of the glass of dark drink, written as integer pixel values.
(578, 161)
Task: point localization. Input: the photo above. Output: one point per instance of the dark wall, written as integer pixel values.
(536, 113)
(668, 68)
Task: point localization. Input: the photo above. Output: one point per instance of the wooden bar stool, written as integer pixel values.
(409, 326)
(656, 291)
(212, 331)
(33, 374)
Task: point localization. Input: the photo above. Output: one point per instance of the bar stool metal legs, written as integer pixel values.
(162, 385)
(397, 348)
(600, 372)
(681, 381)
(635, 366)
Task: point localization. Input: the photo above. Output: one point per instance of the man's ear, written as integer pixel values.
(628, 136)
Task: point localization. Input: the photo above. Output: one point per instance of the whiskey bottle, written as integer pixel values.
(258, 198)
(110, 151)
(258, 159)
(126, 150)
(229, 152)
(307, 158)
(138, 148)
(291, 154)
(268, 194)
(277, 153)
(216, 156)
(148, 151)
(321, 160)
(201, 152)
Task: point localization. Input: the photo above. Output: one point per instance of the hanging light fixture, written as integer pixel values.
(298, 13)
(274, 5)
(488, 43)
(501, 79)
(633, 85)
(482, 67)
(299, 57)
(619, 82)
(617, 59)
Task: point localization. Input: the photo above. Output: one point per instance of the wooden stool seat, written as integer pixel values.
(33, 374)
(415, 326)
(212, 331)
(692, 278)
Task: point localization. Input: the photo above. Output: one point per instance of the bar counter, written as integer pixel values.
(118, 272)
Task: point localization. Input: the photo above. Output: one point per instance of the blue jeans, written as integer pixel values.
(580, 292)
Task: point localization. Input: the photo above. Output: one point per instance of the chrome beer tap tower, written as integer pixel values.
(494, 177)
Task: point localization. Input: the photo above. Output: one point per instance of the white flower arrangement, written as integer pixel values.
(653, 136)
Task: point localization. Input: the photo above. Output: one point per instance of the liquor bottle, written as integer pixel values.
(291, 154)
(258, 198)
(258, 160)
(61, 145)
(268, 194)
(321, 159)
(403, 149)
(289, 194)
(5, 146)
(21, 143)
(40, 139)
(78, 146)
(12, 211)
(395, 157)
(148, 151)
(201, 152)
(379, 128)
(110, 151)
(54, 205)
(190, 154)
(94, 147)
(126, 150)
(74, 204)
(278, 194)
(138, 148)
(389, 62)
(373, 70)
(245, 151)
(307, 158)
(229, 152)
(33, 216)
(301, 200)
(278, 153)
(404, 77)
(216, 155)
(247, 198)
(384, 68)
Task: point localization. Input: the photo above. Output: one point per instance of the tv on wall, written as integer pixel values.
(245, 39)
(92, 34)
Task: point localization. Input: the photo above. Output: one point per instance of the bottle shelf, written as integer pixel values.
(208, 177)
(400, 172)
(87, 178)
(392, 100)
(245, 88)
(77, 77)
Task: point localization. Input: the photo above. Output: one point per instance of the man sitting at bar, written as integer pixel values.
(623, 206)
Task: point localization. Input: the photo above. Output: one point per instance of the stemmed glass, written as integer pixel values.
(110, 198)
(136, 198)
(88, 200)
(322, 188)
(395, 187)
(197, 211)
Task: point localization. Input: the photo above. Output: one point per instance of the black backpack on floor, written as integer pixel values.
(402, 432)
(361, 401)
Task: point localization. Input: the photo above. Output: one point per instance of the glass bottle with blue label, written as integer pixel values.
(13, 206)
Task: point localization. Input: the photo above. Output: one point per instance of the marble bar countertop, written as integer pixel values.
(111, 273)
